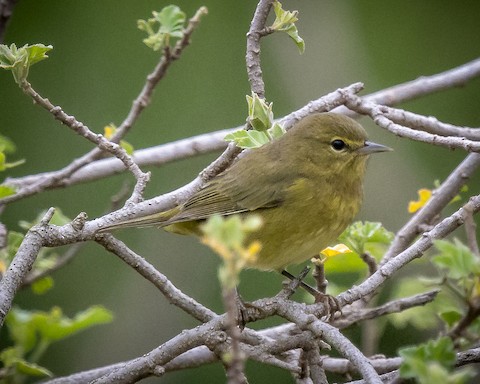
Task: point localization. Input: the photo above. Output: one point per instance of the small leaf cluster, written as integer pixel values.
(260, 117)
(285, 22)
(164, 26)
(19, 60)
(227, 237)
(360, 236)
(32, 332)
(432, 363)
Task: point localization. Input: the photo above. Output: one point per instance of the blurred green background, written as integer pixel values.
(99, 65)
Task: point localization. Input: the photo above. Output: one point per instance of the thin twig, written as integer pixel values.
(143, 99)
(471, 232)
(424, 85)
(234, 361)
(355, 316)
(82, 130)
(442, 196)
(377, 113)
(57, 179)
(210, 142)
(20, 265)
(417, 249)
(429, 124)
(252, 57)
(144, 268)
(169, 200)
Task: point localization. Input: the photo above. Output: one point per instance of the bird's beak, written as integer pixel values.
(371, 147)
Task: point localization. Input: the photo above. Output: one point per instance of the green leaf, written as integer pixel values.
(58, 218)
(37, 52)
(248, 139)
(7, 145)
(32, 369)
(28, 328)
(43, 285)
(231, 230)
(19, 60)
(127, 146)
(451, 317)
(3, 160)
(54, 326)
(285, 21)
(260, 115)
(456, 259)
(359, 234)
(276, 131)
(421, 360)
(4, 165)
(21, 330)
(345, 263)
(170, 24)
(292, 31)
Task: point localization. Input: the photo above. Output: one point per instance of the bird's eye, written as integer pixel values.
(338, 144)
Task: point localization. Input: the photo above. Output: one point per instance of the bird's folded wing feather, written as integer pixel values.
(227, 194)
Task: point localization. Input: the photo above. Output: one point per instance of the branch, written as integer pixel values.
(416, 250)
(252, 57)
(82, 130)
(350, 318)
(425, 85)
(148, 271)
(21, 264)
(171, 199)
(295, 312)
(442, 196)
(143, 99)
(378, 114)
(57, 179)
(206, 143)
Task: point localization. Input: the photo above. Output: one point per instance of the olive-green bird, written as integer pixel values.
(306, 186)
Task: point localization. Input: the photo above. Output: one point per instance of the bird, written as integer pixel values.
(306, 186)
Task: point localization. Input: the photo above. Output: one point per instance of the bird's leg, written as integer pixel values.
(304, 285)
(329, 301)
(318, 293)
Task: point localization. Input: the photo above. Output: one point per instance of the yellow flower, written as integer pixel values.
(423, 196)
(109, 130)
(338, 249)
(3, 268)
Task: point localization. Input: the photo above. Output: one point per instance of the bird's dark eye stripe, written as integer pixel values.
(338, 144)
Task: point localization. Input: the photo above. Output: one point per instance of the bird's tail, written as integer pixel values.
(159, 219)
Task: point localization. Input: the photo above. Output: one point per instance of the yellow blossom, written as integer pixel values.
(3, 268)
(109, 130)
(338, 249)
(423, 196)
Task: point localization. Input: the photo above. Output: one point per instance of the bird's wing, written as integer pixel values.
(228, 194)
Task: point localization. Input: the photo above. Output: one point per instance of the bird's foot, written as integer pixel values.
(331, 303)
